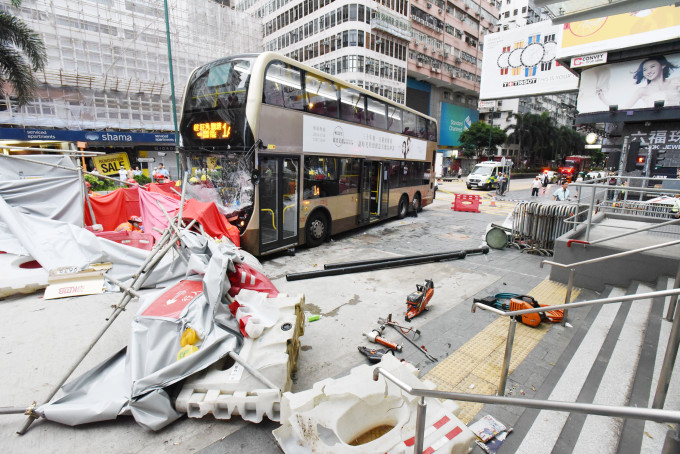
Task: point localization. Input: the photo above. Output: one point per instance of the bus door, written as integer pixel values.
(384, 189)
(278, 205)
(371, 179)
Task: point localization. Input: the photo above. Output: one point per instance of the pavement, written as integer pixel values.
(41, 338)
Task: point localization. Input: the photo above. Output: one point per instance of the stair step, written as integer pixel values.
(547, 426)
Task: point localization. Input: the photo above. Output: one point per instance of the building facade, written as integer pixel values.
(107, 78)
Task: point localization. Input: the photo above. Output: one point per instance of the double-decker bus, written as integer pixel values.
(295, 154)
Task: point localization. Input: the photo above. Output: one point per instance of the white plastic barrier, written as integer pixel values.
(14, 279)
(355, 414)
(226, 389)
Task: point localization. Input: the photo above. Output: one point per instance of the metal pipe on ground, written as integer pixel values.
(375, 266)
(332, 266)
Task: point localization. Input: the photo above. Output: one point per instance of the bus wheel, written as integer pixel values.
(403, 207)
(417, 205)
(316, 229)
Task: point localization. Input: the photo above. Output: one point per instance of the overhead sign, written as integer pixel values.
(596, 146)
(635, 84)
(487, 104)
(146, 159)
(521, 62)
(110, 164)
(589, 60)
(664, 138)
(455, 120)
(619, 32)
(109, 137)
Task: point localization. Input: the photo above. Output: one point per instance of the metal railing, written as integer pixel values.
(649, 414)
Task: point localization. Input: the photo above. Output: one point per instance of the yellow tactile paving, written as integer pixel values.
(476, 366)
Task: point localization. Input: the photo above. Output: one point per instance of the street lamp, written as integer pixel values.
(490, 128)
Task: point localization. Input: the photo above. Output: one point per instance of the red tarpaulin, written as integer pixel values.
(112, 209)
(164, 188)
(213, 222)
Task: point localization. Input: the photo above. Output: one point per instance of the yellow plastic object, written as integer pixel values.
(203, 178)
(186, 351)
(189, 337)
(178, 183)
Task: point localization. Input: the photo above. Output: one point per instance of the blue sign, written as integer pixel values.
(454, 120)
(108, 137)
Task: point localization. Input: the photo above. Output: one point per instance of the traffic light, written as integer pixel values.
(631, 158)
(640, 162)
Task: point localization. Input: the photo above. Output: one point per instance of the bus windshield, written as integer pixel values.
(214, 105)
(482, 170)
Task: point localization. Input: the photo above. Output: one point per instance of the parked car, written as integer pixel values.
(595, 174)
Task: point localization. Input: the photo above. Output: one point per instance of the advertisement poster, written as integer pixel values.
(109, 164)
(636, 84)
(620, 31)
(455, 119)
(521, 62)
(332, 137)
(664, 138)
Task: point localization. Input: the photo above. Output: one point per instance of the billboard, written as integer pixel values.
(635, 84)
(521, 62)
(455, 119)
(620, 31)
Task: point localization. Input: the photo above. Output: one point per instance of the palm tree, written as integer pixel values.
(21, 52)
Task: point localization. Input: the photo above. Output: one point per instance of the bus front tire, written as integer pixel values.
(403, 207)
(316, 229)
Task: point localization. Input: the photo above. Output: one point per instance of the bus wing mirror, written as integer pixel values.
(255, 176)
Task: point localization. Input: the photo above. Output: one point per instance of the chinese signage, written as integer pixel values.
(212, 130)
(331, 137)
(664, 138)
(521, 62)
(455, 119)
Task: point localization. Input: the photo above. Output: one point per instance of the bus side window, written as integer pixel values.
(352, 105)
(283, 86)
(322, 96)
(394, 119)
(421, 127)
(376, 114)
(431, 130)
(409, 123)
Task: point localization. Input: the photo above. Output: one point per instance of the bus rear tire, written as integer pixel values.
(403, 207)
(417, 204)
(316, 229)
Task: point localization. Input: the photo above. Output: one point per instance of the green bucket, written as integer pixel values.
(497, 238)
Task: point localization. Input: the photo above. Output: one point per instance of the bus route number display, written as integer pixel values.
(212, 130)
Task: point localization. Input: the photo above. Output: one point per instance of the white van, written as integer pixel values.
(485, 175)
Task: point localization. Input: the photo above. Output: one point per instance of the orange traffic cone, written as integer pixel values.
(493, 201)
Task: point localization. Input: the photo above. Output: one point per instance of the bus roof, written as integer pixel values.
(266, 57)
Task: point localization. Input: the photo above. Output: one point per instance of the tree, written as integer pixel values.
(21, 52)
(478, 135)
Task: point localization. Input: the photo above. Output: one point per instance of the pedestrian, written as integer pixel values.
(505, 182)
(154, 173)
(562, 193)
(535, 186)
(137, 171)
(163, 171)
(95, 171)
(133, 224)
(675, 209)
(546, 180)
(130, 174)
(122, 174)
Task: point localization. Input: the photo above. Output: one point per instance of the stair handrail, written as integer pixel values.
(616, 299)
(621, 235)
(619, 411)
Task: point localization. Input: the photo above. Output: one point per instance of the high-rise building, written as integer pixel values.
(107, 78)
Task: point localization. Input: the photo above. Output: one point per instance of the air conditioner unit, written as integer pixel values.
(419, 64)
(446, 54)
(459, 60)
(440, 10)
(429, 5)
(437, 70)
(425, 47)
(467, 6)
(416, 43)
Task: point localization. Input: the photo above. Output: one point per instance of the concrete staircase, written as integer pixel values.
(613, 358)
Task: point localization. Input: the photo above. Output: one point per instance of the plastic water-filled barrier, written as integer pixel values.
(21, 274)
(227, 389)
(354, 414)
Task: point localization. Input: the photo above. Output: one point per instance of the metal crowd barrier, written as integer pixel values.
(536, 225)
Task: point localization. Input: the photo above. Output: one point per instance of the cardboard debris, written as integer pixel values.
(68, 281)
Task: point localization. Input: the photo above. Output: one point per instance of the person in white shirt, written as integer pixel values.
(535, 186)
(122, 173)
(562, 193)
(163, 171)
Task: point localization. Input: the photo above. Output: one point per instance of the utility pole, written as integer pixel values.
(490, 128)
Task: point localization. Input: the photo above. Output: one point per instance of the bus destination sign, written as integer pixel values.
(212, 130)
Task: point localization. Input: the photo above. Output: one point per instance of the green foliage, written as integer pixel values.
(100, 184)
(540, 140)
(21, 52)
(142, 179)
(478, 136)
